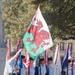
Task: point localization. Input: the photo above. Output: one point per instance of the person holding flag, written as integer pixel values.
(10, 63)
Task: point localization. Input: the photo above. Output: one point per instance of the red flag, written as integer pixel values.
(8, 50)
(46, 57)
(27, 61)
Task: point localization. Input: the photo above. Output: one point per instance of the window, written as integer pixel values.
(61, 45)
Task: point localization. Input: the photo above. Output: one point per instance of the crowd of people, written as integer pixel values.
(41, 69)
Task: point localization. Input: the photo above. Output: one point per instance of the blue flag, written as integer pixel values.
(19, 61)
(65, 60)
(44, 55)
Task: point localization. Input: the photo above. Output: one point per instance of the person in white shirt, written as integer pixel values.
(11, 67)
(42, 70)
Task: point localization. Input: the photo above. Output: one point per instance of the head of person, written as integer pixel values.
(23, 57)
(50, 60)
(69, 62)
(63, 72)
(12, 53)
(31, 61)
(42, 61)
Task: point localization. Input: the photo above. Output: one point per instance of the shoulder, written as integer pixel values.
(9, 61)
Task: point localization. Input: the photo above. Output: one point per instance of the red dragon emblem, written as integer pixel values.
(39, 35)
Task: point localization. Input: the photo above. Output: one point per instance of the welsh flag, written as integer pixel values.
(37, 37)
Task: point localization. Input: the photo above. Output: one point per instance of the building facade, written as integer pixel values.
(63, 46)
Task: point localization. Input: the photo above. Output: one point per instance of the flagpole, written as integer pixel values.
(67, 70)
(29, 71)
(39, 67)
(72, 67)
(67, 58)
(72, 60)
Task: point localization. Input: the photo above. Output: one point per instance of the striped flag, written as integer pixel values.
(27, 61)
(57, 62)
(68, 56)
(65, 59)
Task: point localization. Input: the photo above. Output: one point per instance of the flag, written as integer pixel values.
(7, 56)
(19, 59)
(8, 50)
(65, 59)
(27, 61)
(37, 37)
(57, 62)
(70, 57)
(46, 57)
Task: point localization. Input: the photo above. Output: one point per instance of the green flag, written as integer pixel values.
(37, 37)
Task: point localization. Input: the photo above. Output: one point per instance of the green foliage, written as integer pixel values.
(59, 15)
(17, 15)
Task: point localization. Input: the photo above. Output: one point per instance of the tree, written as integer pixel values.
(17, 16)
(59, 15)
